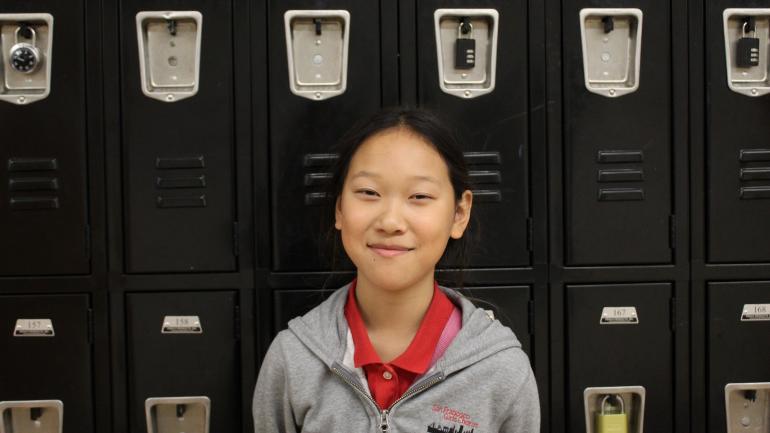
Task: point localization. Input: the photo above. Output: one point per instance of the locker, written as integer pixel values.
(612, 332)
(43, 170)
(510, 305)
(177, 137)
(46, 369)
(494, 126)
(738, 324)
(617, 133)
(737, 155)
(303, 130)
(183, 362)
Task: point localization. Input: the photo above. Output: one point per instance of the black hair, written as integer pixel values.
(436, 133)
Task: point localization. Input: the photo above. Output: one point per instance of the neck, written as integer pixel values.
(394, 311)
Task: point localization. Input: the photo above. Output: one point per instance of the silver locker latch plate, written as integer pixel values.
(317, 52)
(178, 414)
(169, 53)
(19, 87)
(38, 416)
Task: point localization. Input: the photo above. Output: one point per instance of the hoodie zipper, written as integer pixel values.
(384, 420)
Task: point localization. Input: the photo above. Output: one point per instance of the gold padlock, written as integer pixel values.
(612, 422)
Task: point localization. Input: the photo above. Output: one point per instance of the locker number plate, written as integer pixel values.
(756, 313)
(619, 316)
(181, 325)
(33, 328)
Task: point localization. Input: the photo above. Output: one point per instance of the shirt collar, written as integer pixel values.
(417, 356)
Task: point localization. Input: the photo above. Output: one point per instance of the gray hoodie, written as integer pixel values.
(482, 384)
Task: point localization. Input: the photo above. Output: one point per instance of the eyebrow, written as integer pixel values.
(364, 173)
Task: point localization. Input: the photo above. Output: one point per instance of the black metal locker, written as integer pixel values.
(494, 128)
(737, 348)
(737, 154)
(509, 304)
(184, 344)
(618, 148)
(49, 364)
(178, 163)
(43, 197)
(617, 355)
(303, 131)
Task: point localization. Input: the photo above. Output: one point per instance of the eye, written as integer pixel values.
(365, 192)
(422, 197)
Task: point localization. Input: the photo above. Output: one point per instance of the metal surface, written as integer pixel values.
(607, 359)
(34, 328)
(181, 325)
(476, 81)
(754, 80)
(747, 407)
(317, 52)
(611, 60)
(633, 398)
(169, 53)
(170, 365)
(619, 316)
(178, 414)
(20, 87)
(31, 416)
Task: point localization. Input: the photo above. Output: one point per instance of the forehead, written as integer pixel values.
(401, 152)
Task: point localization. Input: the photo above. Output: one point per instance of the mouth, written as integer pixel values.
(389, 250)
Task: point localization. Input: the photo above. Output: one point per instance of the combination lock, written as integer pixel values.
(25, 57)
(465, 46)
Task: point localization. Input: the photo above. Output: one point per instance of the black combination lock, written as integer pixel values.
(747, 48)
(465, 46)
(25, 57)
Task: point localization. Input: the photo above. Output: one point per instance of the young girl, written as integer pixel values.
(392, 351)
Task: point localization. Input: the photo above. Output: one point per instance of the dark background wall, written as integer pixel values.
(136, 209)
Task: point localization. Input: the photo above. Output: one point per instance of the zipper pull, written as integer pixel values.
(384, 426)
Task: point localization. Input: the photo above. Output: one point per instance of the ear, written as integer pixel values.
(462, 215)
(338, 214)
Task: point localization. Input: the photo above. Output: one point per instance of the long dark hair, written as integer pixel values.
(435, 132)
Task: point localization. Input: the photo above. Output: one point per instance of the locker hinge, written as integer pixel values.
(531, 319)
(90, 320)
(673, 314)
(530, 234)
(672, 231)
(237, 323)
(88, 241)
(236, 245)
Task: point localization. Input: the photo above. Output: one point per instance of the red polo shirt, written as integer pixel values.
(389, 381)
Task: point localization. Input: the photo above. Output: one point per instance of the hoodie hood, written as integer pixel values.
(324, 329)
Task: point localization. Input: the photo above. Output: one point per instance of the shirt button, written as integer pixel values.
(387, 375)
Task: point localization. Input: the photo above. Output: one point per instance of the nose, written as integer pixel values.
(391, 219)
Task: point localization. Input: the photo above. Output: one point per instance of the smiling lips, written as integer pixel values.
(389, 250)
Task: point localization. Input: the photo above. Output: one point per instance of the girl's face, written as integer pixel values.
(397, 210)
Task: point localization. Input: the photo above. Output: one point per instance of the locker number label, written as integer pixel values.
(756, 313)
(33, 328)
(181, 325)
(619, 316)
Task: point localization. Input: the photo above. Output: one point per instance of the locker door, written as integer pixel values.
(737, 152)
(737, 348)
(302, 131)
(51, 365)
(494, 128)
(43, 173)
(184, 344)
(617, 150)
(510, 306)
(179, 173)
(620, 355)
